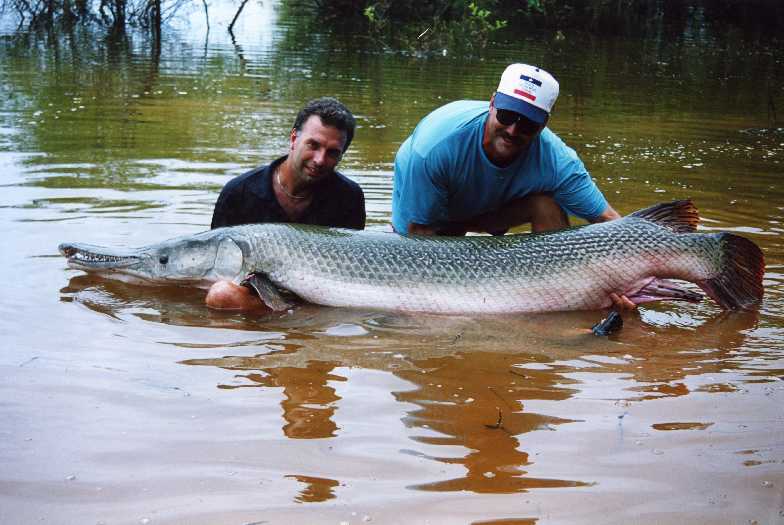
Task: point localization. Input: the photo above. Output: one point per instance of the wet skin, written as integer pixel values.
(503, 144)
(314, 152)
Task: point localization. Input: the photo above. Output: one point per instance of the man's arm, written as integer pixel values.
(451, 229)
(421, 229)
(609, 214)
(420, 193)
(539, 209)
(224, 208)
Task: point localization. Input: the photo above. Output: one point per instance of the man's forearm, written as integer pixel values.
(421, 229)
(451, 229)
(609, 214)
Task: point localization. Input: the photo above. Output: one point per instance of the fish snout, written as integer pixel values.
(87, 257)
(67, 250)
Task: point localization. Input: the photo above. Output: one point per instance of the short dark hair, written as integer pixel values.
(332, 113)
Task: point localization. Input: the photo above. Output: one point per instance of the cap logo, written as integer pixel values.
(527, 90)
(529, 86)
(532, 80)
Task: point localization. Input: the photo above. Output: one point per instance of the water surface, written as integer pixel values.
(122, 404)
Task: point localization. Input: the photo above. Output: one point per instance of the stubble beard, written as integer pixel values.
(509, 149)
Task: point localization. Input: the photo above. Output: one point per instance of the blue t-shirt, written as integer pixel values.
(443, 175)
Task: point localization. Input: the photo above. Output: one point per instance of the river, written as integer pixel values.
(131, 404)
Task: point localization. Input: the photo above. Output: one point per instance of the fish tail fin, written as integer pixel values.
(739, 284)
(678, 216)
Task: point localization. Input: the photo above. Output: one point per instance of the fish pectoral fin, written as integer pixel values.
(663, 290)
(267, 291)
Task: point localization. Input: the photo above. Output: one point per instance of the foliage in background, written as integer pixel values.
(114, 14)
(462, 26)
(636, 16)
(473, 24)
(459, 25)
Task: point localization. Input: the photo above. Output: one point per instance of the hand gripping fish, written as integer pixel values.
(573, 269)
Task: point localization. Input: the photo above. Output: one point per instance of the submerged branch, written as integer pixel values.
(500, 421)
(236, 16)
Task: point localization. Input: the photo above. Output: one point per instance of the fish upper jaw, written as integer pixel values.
(88, 257)
(143, 266)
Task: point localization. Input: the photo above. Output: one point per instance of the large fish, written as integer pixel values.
(574, 269)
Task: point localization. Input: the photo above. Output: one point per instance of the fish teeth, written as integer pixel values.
(92, 257)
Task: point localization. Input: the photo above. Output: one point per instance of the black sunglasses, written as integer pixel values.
(506, 118)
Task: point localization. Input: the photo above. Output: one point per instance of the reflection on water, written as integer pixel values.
(505, 521)
(681, 426)
(112, 142)
(309, 402)
(484, 416)
(316, 489)
(471, 381)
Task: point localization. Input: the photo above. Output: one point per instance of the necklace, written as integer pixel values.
(285, 191)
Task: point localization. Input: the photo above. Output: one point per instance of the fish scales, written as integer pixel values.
(571, 269)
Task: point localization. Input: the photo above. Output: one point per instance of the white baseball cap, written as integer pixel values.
(527, 90)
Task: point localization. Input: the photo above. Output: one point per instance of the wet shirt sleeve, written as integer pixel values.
(225, 206)
(575, 190)
(247, 199)
(422, 196)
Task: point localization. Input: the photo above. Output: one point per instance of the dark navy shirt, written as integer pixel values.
(250, 198)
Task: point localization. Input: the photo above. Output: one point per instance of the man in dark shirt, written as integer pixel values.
(301, 187)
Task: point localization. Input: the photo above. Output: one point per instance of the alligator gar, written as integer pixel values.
(573, 269)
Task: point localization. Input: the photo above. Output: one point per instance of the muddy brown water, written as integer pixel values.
(130, 404)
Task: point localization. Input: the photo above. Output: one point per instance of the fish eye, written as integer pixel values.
(163, 259)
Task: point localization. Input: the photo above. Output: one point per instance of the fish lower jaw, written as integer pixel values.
(97, 266)
(119, 274)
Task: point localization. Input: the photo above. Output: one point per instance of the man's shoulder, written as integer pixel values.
(549, 137)
(251, 184)
(244, 199)
(249, 177)
(451, 123)
(554, 145)
(456, 115)
(460, 107)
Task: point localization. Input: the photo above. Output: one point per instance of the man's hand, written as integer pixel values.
(621, 303)
(225, 295)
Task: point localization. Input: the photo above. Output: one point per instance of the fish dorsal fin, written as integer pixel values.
(678, 216)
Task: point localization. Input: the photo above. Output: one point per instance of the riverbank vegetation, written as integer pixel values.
(475, 23)
(438, 25)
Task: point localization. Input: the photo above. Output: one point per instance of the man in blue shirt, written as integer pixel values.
(467, 167)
